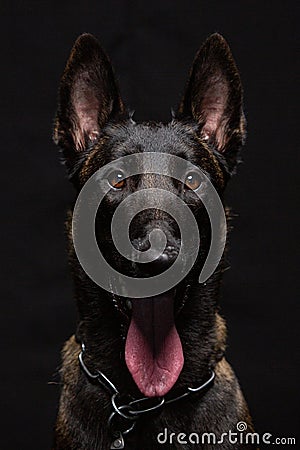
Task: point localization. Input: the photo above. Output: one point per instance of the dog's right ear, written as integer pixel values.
(88, 98)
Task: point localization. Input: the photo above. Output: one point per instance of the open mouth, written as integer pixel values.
(153, 349)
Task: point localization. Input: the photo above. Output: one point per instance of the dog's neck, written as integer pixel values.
(102, 327)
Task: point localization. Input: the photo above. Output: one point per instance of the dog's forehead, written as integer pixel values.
(158, 142)
(158, 137)
(154, 138)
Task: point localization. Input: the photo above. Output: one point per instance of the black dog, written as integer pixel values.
(168, 349)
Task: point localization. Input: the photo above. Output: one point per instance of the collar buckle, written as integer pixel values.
(118, 443)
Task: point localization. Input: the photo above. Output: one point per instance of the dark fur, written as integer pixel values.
(93, 128)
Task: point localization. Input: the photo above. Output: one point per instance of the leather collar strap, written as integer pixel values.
(124, 416)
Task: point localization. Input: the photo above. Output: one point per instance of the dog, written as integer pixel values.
(147, 373)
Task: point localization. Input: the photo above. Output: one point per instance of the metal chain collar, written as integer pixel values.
(124, 416)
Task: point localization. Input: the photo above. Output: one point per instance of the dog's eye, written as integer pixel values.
(116, 179)
(193, 180)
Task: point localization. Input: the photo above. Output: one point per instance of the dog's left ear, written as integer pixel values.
(214, 98)
(88, 98)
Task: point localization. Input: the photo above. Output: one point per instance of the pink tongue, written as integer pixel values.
(153, 350)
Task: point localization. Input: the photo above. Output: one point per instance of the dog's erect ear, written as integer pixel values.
(214, 98)
(88, 96)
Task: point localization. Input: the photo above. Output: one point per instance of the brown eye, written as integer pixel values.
(193, 180)
(117, 179)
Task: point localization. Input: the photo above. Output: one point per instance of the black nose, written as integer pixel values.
(160, 264)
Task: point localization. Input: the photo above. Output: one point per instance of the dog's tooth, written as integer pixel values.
(129, 304)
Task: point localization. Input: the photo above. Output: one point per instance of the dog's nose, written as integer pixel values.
(160, 264)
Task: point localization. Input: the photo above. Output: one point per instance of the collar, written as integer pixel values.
(125, 415)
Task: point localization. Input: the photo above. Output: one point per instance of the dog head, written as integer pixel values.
(94, 130)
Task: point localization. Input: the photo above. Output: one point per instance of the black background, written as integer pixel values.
(152, 45)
